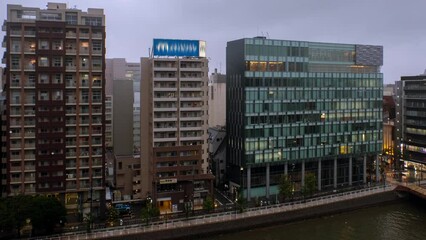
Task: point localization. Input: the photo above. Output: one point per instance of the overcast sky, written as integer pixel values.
(132, 24)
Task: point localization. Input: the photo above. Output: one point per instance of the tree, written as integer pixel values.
(113, 215)
(285, 187)
(43, 212)
(208, 204)
(310, 185)
(88, 219)
(240, 201)
(149, 211)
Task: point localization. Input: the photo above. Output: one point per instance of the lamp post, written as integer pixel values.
(242, 181)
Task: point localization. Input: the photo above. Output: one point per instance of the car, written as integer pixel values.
(123, 208)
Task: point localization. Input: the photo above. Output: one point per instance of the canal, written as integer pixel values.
(404, 220)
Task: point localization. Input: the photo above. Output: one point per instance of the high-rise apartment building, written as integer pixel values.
(297, 107)
(174, 125)
(55, 111)
(410, 125)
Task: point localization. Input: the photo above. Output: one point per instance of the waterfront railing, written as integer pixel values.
(139, 228)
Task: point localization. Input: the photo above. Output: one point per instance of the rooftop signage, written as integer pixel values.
(179, 48)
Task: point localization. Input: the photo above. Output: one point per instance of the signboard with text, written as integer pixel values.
(179, 48)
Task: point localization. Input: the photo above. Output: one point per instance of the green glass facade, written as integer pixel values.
(292, 101)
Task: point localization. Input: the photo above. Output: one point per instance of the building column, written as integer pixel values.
(350, 171)
(364, 170)
(267, 180)
(303, 173)
(285, 168)
(335, 173)
(248, 182)
(377, 169)
(319, 175)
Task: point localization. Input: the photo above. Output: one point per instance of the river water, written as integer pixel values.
(404, 220)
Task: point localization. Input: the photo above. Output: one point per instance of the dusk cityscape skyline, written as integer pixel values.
(212, 120)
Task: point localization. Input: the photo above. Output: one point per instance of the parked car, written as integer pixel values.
(123, 208)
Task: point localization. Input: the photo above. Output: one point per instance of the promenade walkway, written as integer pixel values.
(222, 217)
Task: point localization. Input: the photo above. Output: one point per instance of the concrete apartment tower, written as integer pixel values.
(296, 107)
(55, 112)
(174, 117)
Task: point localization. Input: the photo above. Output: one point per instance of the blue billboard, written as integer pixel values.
(179, 48)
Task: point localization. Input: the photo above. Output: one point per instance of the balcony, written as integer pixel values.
(174, 139)
(96, 35)
(165, 129)
(71, 35)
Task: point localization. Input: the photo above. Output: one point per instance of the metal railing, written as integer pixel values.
(135, 226)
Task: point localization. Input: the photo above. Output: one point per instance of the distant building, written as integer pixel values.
(410, 124)
(123, 117)
(217, 154)
(119, 69)
(127, 178)
(296, 107)
(55, 120)
(174, 153)
(217, 99)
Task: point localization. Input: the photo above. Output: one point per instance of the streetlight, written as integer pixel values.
(242, 181)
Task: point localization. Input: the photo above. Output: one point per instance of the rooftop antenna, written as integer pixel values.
(220, 67)
(267, 34)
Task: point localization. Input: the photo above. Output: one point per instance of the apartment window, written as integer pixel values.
(15, 62)
(57, 61)
(43, 78)
(15, 79)
(58, 95)
(97, 62)
(57, 45)
(16, 46)
(92, 21)
(85, 45)
(50, 16)
(43, 62)
(43, 95)
(43, 44)
(69, 62)
(71, 18)
(57, 78)
(97, 45)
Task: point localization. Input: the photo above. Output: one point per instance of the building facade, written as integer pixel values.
(217, 154)
(411, 125)
(118, 69)
(55, 111)
(174, 154)
(297, 107)
(217, 99)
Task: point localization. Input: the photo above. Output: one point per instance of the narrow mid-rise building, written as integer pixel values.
(174, 154)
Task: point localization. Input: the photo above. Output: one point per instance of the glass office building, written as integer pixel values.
(297, 107)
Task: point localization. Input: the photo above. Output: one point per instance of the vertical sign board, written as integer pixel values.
(179, 48)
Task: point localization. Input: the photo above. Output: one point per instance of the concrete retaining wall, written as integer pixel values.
(266, 220)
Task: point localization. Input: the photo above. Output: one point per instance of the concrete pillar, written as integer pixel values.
(364, 170)
(248, 182)
(303, 173)
(335, 173)
(377, 169)
(267, 180)
(285, 168)
(319, 175)
(350, 171)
